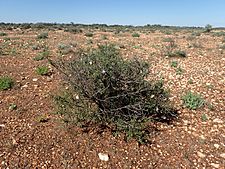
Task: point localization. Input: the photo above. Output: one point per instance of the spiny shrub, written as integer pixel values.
(112, 92)
(3, 34)
(192, 101)
(43, 35)
(5, 82)
(136, 35)
(89, 34)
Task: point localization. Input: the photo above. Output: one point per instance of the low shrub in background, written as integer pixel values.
(43, 35)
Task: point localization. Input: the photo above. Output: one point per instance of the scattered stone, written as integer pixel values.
(103, 157)
(186, 122)
(2, 125)
(217, 120)
(215, 165)
(222, 155)
(35, 79)
(201, 155)
(216, 145)
(24, 86)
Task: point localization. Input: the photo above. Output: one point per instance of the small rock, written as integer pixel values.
(49, 79)
(35, 79)
(216, 145)
(103, 157)
(201, 155)
(24, 86)
(222, 155)
(186, 122)
(216, 120)
(2, 125)
(215, 165)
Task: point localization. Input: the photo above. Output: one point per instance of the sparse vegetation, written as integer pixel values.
(89, 34)
(6, 83)
(193, 101)
(3, 34)
(208, 28)
(174, 64)
(42, 70)
(43, 35)
(136, 35)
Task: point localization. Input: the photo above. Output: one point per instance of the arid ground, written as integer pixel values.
(33, 136)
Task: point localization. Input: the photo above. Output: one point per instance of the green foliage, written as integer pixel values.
(12, 106)
(109, 91)
(204, 117)
(193, 101)
(208, 28)
(41, 55)
(218, 34)
(3, 34)
(179, 71)
(179, 53)
(6, 82)
(42, 70)
(174, 64)
(196, 33)
(43, 35)
(135, 35)
(168, 40)
(73, 30)
(64, 49)
(89, 34)
(171, 51)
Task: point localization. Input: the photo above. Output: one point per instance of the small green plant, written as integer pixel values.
(42, 70)
(179, 53)
(35, 47)
(12, 106)
(3, 34)
(193, 101)
(174, 64)
(104, 37)
(13, 52)
(41, 56)
(179, 71)
(204, 117)
(136, 35)
(43, 35)
(64, 49)
(89, 34)
(6, 83)
(190, 81)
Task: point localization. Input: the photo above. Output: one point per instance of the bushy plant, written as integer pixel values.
(192, 101)
(136, 35)
(208, 28)
(89, 34)
(43, 35)
(42, 70)
(3, 34)
(5, 82)
(110, 91)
